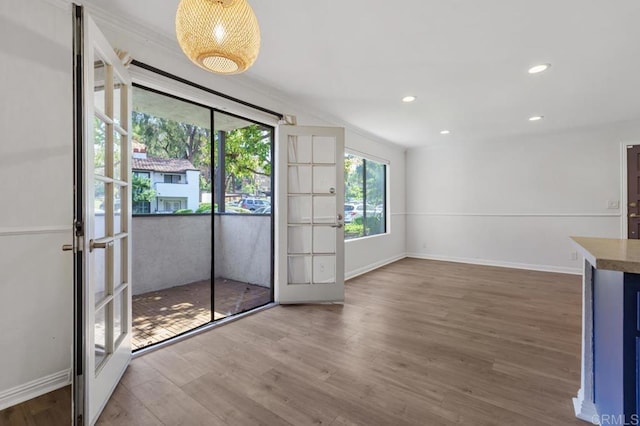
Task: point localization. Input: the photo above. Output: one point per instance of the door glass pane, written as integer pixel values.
(324, 180)
(324, 239)
(117, 264)
(100, 337)
(118, 315)
(299, 239)
(300, 149)
(117, 99)
(99, 209)
(299, 209)
(99, 81)
(99, 147)
(99, 274)
(117, 216)
(299, 179)
(324, 209)
(117, 160)
(324, 269)
(299, 270)
(324, 149)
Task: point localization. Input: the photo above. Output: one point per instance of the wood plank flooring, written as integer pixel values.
(53, 408)
(417, 342)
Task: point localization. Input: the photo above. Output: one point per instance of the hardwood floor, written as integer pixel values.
(416, 342)
(53, 408)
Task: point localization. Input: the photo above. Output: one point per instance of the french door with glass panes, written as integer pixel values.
(103, 321)
(311, 234)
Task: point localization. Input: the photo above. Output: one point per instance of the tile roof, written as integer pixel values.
(166, 165)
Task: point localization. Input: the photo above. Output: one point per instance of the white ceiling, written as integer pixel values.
(465, 60)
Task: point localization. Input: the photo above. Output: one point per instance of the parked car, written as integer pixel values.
(235, 209)
(253, 203)
(359, 211)
(349, 212)
(263, 210)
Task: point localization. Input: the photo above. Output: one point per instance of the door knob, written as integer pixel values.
(99, 245)
(67, 247)
(337, 225)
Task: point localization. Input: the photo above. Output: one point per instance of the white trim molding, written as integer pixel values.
(515, 214)
(35, 230)
(373, 266)
(34, 388)
(498, 263)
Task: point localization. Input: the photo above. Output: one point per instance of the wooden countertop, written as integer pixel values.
(610, 253)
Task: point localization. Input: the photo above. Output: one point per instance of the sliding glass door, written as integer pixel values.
(243, 221)
(202, 223)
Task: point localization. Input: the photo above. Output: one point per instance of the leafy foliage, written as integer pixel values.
(141, 189)
(173, 139)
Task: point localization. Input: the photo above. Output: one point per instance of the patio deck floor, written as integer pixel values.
(163, 314)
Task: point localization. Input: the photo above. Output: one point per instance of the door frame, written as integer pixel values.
(624, 208)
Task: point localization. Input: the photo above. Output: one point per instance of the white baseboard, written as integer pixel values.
(34, 388)
(501, 264)
(585, 410)
(360, 271)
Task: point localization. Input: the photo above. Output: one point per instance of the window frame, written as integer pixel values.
(385, 197)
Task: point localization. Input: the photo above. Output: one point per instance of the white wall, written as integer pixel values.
(36, 281)
(515, 202)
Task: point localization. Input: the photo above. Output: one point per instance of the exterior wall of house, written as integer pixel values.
(36, 276)
(187, 190)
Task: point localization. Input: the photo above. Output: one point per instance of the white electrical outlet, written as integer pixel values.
(613, 204)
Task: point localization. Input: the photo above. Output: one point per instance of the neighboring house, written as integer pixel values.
(176, 182)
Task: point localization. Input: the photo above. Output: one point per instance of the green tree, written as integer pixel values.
(247, 155)
(353, 178)
(141, 189)
(173, 139)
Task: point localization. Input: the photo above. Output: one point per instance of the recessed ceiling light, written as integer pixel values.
(539, 68)
(536, 118)
(445, 132)
(408, 99)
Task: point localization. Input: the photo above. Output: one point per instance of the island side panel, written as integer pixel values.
(608, 339)
(632, 347)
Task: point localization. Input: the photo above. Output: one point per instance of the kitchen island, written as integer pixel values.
(609, 392)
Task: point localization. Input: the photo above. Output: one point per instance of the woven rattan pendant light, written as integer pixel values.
(221, 36)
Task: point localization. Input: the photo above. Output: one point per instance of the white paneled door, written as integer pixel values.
(103, 287)
(311, 209)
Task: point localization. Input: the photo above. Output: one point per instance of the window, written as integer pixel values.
(365, 209)
(141, 207)
(171, 205)
(172, 178)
